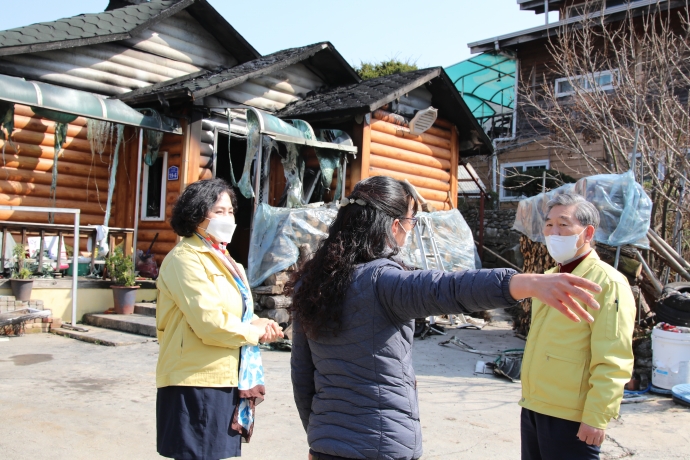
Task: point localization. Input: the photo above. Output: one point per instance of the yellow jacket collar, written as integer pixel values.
(195, 243)
(586, 264)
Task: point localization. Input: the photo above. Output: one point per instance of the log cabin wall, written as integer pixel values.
(428, 161)
(167, 239)
(26, 172)
(174, 47)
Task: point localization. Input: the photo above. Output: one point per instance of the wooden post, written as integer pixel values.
(4, 241)
(454, 163)
(366, 147)
(59, 251)
(41, 248)
(24, 236)
(193, 142)
(481, 224)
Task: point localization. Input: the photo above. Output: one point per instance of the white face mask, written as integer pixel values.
(407, 235)
(563, 248)
(221, 228)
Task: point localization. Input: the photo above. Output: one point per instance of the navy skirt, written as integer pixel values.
(193, 423)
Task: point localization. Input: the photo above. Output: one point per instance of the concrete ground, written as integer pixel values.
(65, 399)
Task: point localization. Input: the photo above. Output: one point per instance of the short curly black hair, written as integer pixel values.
(193, 205)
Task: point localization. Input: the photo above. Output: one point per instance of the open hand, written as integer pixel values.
(558, 290)
(590, 435)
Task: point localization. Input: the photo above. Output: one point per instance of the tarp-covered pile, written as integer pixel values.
(454, 240)
(624, 209)
(279, 232)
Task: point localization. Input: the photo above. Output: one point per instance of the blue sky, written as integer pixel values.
(430, 33)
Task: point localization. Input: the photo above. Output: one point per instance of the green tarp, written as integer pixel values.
(81, 103)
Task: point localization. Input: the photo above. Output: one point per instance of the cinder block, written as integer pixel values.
(40, 303)
(18, 303)
(32, 330)
(57, 323)
(9, 298)
(47, 320)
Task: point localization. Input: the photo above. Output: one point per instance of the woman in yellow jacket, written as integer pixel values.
(205, 322)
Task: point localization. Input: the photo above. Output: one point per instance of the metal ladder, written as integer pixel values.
(424, 233)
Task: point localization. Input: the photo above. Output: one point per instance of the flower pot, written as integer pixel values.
(21, 289)
(124, 298)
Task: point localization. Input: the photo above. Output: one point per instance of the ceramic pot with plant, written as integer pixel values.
(121, 271)
(21, 281)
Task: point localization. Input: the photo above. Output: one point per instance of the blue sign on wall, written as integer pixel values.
(173, 173)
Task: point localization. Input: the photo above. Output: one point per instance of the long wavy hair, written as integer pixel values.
(361, 232)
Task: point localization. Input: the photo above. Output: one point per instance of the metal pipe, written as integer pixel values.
(546, 12)
(618, 257)
(138, 196)
(75, 267)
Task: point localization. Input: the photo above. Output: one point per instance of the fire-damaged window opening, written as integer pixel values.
(155, 180)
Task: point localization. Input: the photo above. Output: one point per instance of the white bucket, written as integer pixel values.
(671, 358)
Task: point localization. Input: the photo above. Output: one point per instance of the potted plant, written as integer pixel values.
(121, 271)
(21, 281)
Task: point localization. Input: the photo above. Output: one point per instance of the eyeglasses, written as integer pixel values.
(413, 220)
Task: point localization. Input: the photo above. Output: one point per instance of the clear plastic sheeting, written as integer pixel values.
(453, 237)
(624, 209)
(531, 213)
(277, 235)
(293, 165)
(253, 147)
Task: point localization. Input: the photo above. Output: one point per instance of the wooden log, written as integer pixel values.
(404, 133)
(48, 152)
(439, 205)
(42, 125)
(36, 138)
(267, 290)
(377, 161)
(408, 156)
(411, 145)
(15, 200)
(277, 279)
(454, 162)
(443, 123)
(25, 110)
(417, 181)
(668, 258)
(39, 164)
(671, 251)
(43, 191)
(305, 253)
(396, 120)
(160, 248)
(278, 301)
(45, 177)
(205, 174)
(163, 236)
(155, 225)
(42, 218)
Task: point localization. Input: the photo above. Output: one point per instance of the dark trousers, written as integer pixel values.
(550, 438)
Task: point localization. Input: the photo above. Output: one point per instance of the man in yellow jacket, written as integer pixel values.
(573, 374)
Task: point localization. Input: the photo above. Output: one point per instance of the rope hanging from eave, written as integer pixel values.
(113, 173)
(62, 120)
(154, 139)
(6, 122)
(233, 181)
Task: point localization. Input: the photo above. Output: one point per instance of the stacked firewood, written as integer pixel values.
(269, 299)
(536, 260)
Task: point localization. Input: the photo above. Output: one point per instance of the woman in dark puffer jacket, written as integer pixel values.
(353, 321)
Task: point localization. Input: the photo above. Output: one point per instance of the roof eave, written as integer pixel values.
(228, 36)
(613, 14)
(433, 73)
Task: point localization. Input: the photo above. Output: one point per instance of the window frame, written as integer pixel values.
(145, 190)
(502, 167)
(614, 73)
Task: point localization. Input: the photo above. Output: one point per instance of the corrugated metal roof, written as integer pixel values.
(467, 186)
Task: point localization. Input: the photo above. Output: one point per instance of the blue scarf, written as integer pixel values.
(251, 374)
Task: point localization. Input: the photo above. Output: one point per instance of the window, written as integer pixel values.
(605, 80)
(579, 10)
(153, 195)
(511, 169)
